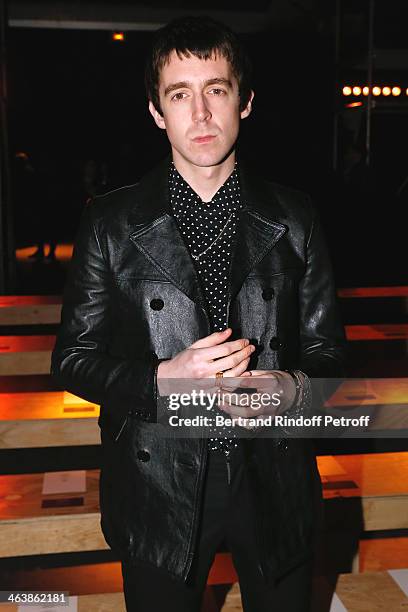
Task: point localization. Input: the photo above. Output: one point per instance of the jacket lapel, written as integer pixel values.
(258, 230)
(164, 246)
(256, 236)
(156, 235)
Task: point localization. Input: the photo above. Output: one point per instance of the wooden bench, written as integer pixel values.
(362, 493)
(24, 355)
(103, 577)
(372, 305)
(30, 310)
(36, 524)
(373, 292)
(378, 482)
(369, 592)
(42, 419)
(365, 492)
(377, 332)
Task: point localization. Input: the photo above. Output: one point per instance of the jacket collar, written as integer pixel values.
(155, 232)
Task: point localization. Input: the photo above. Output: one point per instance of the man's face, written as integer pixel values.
(200, 105)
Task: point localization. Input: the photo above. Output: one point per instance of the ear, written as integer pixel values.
(159, 120)
(247, 110)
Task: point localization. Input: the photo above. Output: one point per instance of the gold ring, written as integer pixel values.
(219, 374)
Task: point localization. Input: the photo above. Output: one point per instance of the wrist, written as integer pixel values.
(162, 377)
(161, 369)
(290, 390)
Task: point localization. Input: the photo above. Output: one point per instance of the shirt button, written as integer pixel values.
(268, 293)
(156, 304)
(275, 343)
(143, 455)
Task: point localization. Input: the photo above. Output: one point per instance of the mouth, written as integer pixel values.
(203, 139)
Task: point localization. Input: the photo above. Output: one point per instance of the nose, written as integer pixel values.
(201, 112)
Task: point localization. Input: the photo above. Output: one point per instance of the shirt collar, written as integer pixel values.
(228, 195)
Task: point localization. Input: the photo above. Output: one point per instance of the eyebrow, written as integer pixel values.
(187, 84)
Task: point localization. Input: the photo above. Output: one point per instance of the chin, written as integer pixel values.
(206, 160)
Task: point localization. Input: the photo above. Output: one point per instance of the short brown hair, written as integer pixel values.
(204, 38)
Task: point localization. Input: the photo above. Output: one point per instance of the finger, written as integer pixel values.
(232, 361)
(262, 373)
(212, 339)
(237, 370)
(225, 349)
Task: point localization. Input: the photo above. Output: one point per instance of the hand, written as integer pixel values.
(206, 357)
(269, 392)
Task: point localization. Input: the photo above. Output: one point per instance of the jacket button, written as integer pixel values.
(268, 294)
(156, 304)
(143, 455)
(275, 343)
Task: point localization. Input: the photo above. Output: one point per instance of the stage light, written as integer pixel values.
(357, 91)
(376, 91)
(366, 91)
(386, 91)
(354, 104)
(396, 91)
(346, 91)
(118, 37)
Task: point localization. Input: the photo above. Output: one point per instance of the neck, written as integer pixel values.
(205, 181)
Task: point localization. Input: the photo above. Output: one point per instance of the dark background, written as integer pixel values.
(76, 95)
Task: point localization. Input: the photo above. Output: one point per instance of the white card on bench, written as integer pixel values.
(64, 482)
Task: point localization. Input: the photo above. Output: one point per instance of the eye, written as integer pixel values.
(180, 95)
(217, 91)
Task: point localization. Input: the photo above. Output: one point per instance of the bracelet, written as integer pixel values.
(298, 387)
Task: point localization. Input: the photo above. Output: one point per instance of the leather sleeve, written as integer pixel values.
(81, 360)
(321, 331)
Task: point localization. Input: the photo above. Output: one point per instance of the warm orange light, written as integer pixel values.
(376, 91)
(366, 91)
(356, 91)
(396, 91)
(118, 36)
(346, 91)
(354, 104)
(386, 91)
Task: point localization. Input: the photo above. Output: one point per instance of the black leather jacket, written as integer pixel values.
(132, 298)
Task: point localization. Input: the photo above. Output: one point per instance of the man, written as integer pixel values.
(201, 271)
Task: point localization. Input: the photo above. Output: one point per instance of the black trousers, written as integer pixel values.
(228, 517)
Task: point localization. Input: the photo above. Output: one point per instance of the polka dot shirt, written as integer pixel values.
(209, 229)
